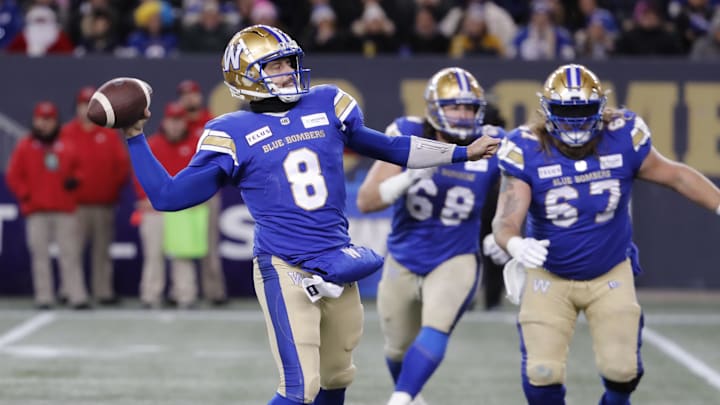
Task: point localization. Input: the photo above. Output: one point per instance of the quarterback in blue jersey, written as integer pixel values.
(285, 155)
(570, 175)
(431, 269)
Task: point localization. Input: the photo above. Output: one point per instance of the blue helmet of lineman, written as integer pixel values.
(452, 86)
(572, 101)
(249, 51)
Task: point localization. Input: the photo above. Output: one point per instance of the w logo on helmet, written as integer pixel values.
(231, 59)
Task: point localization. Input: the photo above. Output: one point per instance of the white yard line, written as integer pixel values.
(252, 315)
(25, 328)
(677, 353)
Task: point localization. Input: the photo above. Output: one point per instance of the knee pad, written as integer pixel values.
(542, 373)
(395, 354)
(625, 387)
(339, 379)
(621, 372)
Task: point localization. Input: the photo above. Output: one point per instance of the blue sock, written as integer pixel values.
(281, 400)
(394, 367)
(421, 360)
(330, 397)
(615, 398)
(544, 395)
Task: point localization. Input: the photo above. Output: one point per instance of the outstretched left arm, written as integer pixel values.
(416, 152)
(681, 178)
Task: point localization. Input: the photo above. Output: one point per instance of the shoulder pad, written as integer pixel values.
(627, 123)
(511, 153)
(343, 104)
(492, 130)
(640, 133)
(393, 129)
(218, 141)
(526, 133)
(322, 88)
(228, 119)
(405, 126)
(518, 134)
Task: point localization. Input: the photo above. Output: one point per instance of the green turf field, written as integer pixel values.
(207, 357)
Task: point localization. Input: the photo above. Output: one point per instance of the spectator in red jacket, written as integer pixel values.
(41, 35)
(173, 146)
(43, 175)
(213, 280)
(104, 167)
(191, 98)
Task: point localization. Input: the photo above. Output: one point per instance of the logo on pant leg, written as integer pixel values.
(351, 252)
(296, 277)
(541, 286)
(613, 284)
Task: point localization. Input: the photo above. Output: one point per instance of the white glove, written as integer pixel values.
(424, 173)
(494, 251)
(316, 288)
(514, 275)
(530, 252)
(393, 187)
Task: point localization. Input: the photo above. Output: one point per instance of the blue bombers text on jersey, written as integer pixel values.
(439, 217)
(581, 206)
(290, 170)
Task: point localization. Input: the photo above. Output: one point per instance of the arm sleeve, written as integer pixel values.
(191, 186)
(411, 151)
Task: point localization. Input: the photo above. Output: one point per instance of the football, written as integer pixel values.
(120, 102)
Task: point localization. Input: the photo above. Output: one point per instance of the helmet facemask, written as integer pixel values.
(455, 86)
(575, 124)
(572, 102)
(458, 129)
(298, 85)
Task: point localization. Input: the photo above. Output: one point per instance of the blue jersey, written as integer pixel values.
(289, 167)
(581, 206)
(439, 217)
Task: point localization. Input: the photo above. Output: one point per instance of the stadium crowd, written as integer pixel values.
(528, 30)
